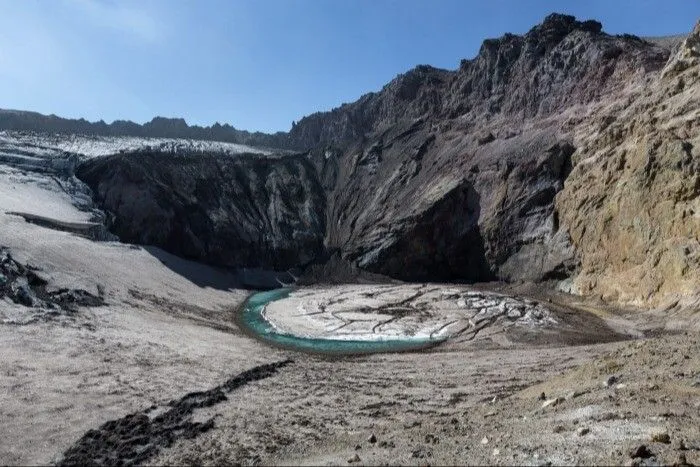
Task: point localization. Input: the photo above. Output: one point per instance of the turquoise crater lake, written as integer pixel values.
(252, 320)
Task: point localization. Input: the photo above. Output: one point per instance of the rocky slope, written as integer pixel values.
(565, 153)
(557, 64)
(632, 203)
(458, 171)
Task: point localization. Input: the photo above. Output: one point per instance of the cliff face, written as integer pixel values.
(565, 153)
(453, 174)
(424, 206)
(244, 211)
(557, 64)
(632, 203)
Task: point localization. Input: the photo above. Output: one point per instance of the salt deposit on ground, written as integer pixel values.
(379, 312)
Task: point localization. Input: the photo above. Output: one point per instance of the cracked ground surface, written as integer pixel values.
(472, 401)
(425, 311)
(430, 311)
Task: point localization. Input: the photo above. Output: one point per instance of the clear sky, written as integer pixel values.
(260, 64)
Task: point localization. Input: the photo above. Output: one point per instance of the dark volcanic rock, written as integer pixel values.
(559, 63)
(21, 284)
(453, 174)
(245, 211)
(441, 175)
(432, 209)
(159, 127)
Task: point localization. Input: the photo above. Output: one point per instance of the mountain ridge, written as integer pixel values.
(304, 133)
(157, 127)
(470, 175)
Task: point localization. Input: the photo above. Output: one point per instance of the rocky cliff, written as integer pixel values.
(632, 201)
(558, 64)
(565, 153)
(243, 211)
(453, 174)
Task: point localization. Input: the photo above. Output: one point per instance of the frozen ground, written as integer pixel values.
(400, 311)
(43, 145)
(32, 193)
(162, 369)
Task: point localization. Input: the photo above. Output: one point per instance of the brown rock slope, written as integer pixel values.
(632, 201)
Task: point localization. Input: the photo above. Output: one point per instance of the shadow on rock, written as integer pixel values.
(221, 278)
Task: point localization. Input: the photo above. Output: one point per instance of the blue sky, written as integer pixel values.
(259, 64)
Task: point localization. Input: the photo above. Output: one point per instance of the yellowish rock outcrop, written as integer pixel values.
(632, 202)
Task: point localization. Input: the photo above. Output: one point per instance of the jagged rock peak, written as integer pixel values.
(406, 85)
(558, 25)
(547, 34)
(168, 123)
(172, 121)
(419, 72)
(556, 64)
(543, 36)
(687, 55)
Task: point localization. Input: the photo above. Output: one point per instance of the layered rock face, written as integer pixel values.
(562, 153)
(558, 64)
(243, 211)
(632, 202)
(430, 208)
(452, 175)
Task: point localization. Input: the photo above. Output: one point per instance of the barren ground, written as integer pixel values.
(161, 375)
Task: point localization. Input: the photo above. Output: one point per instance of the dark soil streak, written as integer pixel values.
(136, 437)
